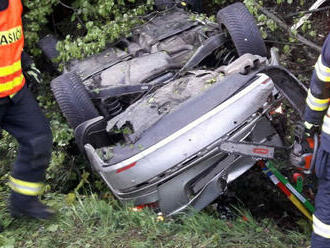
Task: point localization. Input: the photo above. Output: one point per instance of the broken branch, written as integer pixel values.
(307, 11)
(287, 28)
(317, 4)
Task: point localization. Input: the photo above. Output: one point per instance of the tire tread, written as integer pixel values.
(73, 99)
(243, 29)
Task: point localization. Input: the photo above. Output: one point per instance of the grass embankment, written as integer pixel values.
(92, 222)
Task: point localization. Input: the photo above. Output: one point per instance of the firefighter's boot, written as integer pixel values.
(24, 205)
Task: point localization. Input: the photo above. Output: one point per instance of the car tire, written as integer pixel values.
(73, 99)
(164, 4)
(242, 28)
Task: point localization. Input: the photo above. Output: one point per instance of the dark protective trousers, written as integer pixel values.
(322, 201)
(23, 119)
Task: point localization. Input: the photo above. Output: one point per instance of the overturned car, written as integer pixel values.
(150, 112)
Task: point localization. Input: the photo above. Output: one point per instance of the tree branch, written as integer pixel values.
(287, 28)
(307, 11)
(303, 19)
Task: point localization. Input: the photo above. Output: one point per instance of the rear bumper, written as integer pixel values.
(197, 181)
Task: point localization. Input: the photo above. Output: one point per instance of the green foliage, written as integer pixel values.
(268, 27)
(265, 24)
(100, 21)
(8, 148)
(8, 151)
(35, 19)
(103, 22)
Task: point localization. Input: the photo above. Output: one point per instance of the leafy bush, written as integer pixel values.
(35, 20)
(103, 23)
(97, 22)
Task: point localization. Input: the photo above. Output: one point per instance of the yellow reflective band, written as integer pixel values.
(315, 106)
(316, 103)
(317, 100)
(320, 228)
(323, 67)
(26, 188)
(10, 36)
(322, 71)
(11, 84)
(7, 70)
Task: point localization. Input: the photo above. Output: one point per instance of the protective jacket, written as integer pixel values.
(11, 46)
(317, 102)
(318, 112)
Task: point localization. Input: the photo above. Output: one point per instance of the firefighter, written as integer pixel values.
(21, 116)
(317, 114)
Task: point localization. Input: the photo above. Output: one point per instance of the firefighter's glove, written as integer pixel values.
(303, 144)
(305, 130)
(311, 129)
(33, 75)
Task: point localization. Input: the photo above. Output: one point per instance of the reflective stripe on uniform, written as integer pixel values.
(322, 71)
(11, 84)
(320, 228)
(11, 36)
(25, 188)
(10, 69)
(13, 91)
(316, 103)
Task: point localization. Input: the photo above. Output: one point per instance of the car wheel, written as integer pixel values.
(73, 99)
(242, 28)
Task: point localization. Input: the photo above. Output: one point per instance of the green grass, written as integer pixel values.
(93, 222)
